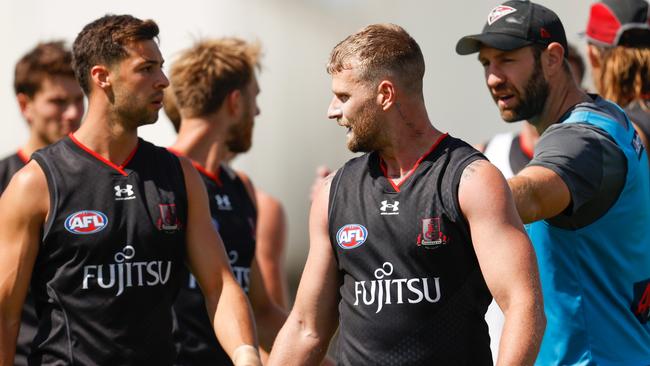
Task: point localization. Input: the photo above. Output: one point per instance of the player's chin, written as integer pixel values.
(510, 116)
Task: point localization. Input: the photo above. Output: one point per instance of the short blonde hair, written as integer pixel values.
(203, 75)
(379, 50)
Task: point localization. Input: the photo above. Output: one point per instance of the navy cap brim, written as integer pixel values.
(504, 42)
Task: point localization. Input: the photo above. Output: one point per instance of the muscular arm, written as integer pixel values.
(23, 210)
(226, 302)
(539, 193)
(304, 338)
(507, 261)
(271, 235)
(270, 250)
(269, 317)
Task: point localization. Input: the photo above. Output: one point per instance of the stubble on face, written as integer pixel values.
(133, 104)
(532, 100)
(365, 129)
(240, 135)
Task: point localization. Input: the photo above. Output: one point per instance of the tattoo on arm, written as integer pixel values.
(469, 170)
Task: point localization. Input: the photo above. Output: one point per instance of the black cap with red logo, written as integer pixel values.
(516, 24)
(619, 23)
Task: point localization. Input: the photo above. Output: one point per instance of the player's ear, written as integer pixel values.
(234, 102)
(100, 75)
(553, 58)
(386, 94)
(24, 103)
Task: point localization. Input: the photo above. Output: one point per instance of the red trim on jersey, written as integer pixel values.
(527, 150)
(21, 155)
(119, 168)
(212, 176)
(382, 165)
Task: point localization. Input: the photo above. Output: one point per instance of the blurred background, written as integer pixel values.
(293, 135)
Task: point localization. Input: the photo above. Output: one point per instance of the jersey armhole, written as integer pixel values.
(334, 187)
(53, 191)
(249, 187)
(181, 181)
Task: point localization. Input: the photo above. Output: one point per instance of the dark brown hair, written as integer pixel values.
(103, 42)
(43, 61)
(379, 50)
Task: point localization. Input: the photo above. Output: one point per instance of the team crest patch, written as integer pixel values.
(499, 12)
(168, 220)
(86, 222)
(431, 236)
(641, 302)
(637, 145)
(351, 236)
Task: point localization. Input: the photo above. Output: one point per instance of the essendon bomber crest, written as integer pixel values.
(168, 220)
(431, 235)
(498, 13)
(641, 302)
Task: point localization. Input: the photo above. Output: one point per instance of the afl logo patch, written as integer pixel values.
(351, 236)
(86, 222)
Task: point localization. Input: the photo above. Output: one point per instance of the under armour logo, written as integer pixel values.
(223, 202)
(393, 207)
(122, 194)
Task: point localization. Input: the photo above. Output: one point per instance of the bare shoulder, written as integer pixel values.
(30, 179)
(268, 203)
(482, 188)
(193, 183)
(190, 173)
(28, 187)
(480, 170)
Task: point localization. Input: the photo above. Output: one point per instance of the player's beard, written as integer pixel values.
(240, 134)
(134, 111)
(366, 131)
(532, 100)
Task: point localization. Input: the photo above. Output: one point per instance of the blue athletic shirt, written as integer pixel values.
(594, 258)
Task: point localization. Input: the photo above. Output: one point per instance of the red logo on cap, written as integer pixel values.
(499, 12)
(544, 33)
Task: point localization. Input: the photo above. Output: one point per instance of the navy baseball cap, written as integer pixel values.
(619, 23)
(515, 24)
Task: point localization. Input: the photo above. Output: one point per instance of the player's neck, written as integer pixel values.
(198, 140)
(559, 101)
(402, 156)
(33, 143)
(107, 137)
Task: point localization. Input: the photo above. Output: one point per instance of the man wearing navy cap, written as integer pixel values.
(585, 192)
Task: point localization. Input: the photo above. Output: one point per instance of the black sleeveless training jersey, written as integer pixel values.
(9, 166)
(28, 323)
(234, 215)
(412, 292)
(109, 265)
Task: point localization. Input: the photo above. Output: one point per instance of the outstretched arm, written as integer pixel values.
(304, 338)
(226, 303)
(507, 260)
(539, 193)
(23, 210)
